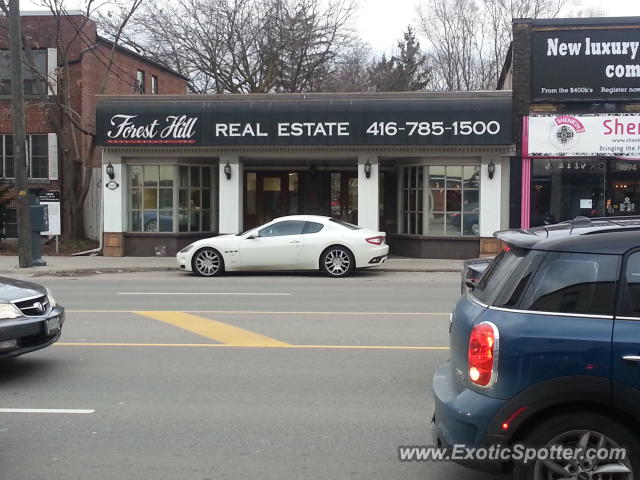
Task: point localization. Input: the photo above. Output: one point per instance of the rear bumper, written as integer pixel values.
(372, 257)
(462, 418)
(30, 333)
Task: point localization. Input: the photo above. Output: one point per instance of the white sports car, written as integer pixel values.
(299, 242)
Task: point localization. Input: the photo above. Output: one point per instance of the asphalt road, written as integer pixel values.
(293, 376)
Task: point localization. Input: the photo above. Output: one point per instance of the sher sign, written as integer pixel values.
(610, 135)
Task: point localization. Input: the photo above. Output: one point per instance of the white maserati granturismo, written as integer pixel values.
(298, 242)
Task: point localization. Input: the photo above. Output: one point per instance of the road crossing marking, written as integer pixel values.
(213, 330)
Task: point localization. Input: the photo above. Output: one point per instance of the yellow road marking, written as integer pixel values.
(214, 330)
(259, 312)
(222, 345)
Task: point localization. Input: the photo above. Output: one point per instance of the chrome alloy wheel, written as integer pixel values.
(337, 262)
(207, 262)
(584, 469)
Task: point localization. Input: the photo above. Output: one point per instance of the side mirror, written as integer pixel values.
(471, 283)
(251, 237)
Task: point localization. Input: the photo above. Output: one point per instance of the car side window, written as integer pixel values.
(312, 227)
(288, 227)
(631, 305)
(574, 283)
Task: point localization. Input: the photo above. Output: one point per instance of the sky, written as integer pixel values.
(382, 22)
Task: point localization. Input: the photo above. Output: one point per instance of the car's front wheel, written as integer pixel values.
(207, 262)
(598, 436)
(337, 262)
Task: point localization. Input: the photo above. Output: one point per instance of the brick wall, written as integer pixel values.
(88, 62)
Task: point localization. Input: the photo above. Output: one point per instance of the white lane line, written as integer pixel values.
(46, 410)
(207, 293)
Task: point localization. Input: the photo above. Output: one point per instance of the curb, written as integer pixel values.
(80, 272)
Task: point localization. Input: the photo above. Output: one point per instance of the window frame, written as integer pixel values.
(175, 209)
(140, 81)
(544, 262)
(154, 85)
(623, 310)
(29, 153)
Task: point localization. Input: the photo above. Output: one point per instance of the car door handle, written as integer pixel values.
(631, 358)
(294, 241)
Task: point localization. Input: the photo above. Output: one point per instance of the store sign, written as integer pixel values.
(458, 121)
(51, 199)
(612, 135)
(592, 64)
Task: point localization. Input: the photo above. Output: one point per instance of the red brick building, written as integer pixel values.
(95, 66)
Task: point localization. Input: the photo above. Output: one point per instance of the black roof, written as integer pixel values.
(613, 236)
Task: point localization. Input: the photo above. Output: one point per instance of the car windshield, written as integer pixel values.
(348, 225)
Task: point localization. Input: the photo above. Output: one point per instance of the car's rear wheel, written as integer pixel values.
(587, 431)
(207, 262)
(337, 262)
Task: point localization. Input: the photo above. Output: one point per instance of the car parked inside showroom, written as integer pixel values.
(296, 242)
(30, 318)
(545, 351)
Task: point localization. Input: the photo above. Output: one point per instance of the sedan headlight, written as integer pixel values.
(186, 249)
(52, 300)
(9, 310)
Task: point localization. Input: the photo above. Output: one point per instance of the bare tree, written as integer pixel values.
(74, 38)
(243, 46)
(469, 39)
(350, 70)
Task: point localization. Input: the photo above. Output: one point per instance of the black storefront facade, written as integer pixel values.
(576, 117)
(431, 170)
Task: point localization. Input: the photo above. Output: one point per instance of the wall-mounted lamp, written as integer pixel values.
(111, 173)
(367, 169)
(491, 169)
(227, 171)
(313, 170)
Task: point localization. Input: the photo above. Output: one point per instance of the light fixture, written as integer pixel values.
(111, 184)
(491, 169)
(227, 171)
(110, 171)
(367, 169)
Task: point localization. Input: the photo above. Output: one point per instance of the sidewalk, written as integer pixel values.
(71, 266)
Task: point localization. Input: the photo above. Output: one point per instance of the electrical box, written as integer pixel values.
(39, 218)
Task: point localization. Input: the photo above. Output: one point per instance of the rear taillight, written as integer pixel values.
(376, 240)
(483, 354)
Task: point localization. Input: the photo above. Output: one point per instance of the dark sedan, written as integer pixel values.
(30, 318)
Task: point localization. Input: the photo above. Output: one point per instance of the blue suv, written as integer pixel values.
(545, 351)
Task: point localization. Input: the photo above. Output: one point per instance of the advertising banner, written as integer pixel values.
(340, 122)
(586, 64)
(609, 135)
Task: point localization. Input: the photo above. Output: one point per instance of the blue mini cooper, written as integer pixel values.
(545, 351)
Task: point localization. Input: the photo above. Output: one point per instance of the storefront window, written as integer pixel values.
(153, 190)
(591, 187)
(452, 196)
(412, 200)
(454, 200)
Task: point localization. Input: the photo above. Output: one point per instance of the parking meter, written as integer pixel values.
(39, 215)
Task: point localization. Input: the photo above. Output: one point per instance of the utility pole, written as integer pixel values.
(19, 141)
